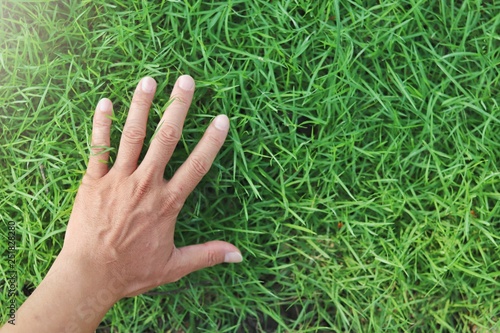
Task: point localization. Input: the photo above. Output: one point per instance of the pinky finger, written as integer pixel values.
(101, 127)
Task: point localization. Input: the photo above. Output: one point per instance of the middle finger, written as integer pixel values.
(169, 129)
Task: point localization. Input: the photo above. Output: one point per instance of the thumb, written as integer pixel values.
(191, 258)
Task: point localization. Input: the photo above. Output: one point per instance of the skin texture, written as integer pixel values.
(120, 237)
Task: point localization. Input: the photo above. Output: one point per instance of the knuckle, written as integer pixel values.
(140, 104)
(215, 140)
(212, 258)
(173, 201)
(101, 122)
(98, 148)
(199, 165)
(99, 154)
(141, 190)
(142, 187)
(178, 100)
(169, 134)
(134, 134)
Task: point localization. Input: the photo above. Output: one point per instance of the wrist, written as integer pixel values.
(73, 297)
(103, 288)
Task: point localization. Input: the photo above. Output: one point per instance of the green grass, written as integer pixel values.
(360, 179)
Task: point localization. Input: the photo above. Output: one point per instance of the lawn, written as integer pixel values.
(360, 178)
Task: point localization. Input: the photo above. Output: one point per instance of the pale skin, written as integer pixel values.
(120, 236)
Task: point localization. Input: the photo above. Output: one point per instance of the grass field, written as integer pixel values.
(360, 178)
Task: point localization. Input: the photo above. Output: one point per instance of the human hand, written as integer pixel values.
(120, 237)
(124, 218)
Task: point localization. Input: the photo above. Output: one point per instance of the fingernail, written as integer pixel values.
(221, 122)
(186, 82)
(148, 85)
(233, 257)
(104, 105)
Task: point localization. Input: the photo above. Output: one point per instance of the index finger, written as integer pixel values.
(134, 130)
(199, 162)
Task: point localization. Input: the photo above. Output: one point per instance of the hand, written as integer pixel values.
(124, 218)
(120, 236)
